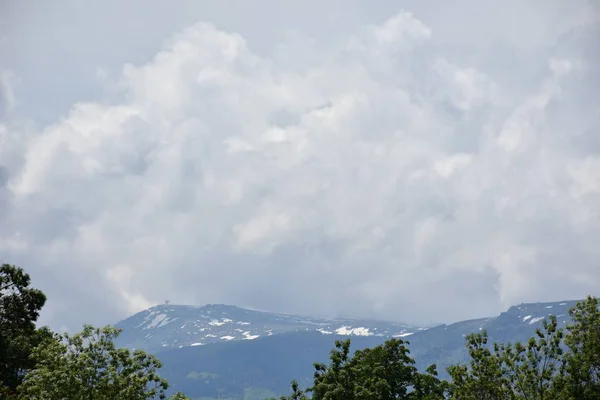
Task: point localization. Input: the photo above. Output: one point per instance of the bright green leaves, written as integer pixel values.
(87, 365)
(580, 377)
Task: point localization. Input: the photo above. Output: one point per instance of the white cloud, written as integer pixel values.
(392, 174)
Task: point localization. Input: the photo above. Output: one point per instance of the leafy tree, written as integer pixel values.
(552, 365)
(87, 365)
(580, 374)
(484, 378)
(334, 382)
(429, 387)
(531, 370)
(20, 306)
(384, 372)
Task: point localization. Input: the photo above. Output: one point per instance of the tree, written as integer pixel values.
(384, 372)
(334, 382)
(580, 374)
(20, 306)
(87, 365)
(429, 387)
(531, 370)
(483, 379)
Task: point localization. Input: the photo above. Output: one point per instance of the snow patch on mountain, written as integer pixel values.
(536, 319)
(217, 323)
(248, 336)
(348, 331)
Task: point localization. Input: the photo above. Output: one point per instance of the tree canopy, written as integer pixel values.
(20, 307)
(87, 365)
(555, 364)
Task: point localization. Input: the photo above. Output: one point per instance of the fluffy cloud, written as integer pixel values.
(400, 173)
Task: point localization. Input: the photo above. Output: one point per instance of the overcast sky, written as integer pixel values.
(410, 160)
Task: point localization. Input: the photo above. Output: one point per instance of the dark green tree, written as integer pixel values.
(580, 374)
(20, 306)
(428, 386)
(336, 380)
(384, 372)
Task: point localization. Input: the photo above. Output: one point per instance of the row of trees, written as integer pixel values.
(555, 364)
(38, 364)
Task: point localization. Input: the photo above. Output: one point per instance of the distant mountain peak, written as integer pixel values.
(166, 326)
(170, 325)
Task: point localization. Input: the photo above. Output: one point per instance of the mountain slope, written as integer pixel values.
(247, 369)
(166, 327)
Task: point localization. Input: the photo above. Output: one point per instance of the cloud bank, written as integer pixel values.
(397, 168)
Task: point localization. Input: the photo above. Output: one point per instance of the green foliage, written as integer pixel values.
(552, 365)
(531, 370)
(483, 378)
(580, 374)
(428, 386)
(20, 306)
(539, 370)
(179, 396)
(87, 365)
(384, 372)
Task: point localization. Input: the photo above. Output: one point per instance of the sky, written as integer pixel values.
(417, 161)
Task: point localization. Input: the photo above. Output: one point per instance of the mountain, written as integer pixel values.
(444, 344)
(164, 327)
(259, 359)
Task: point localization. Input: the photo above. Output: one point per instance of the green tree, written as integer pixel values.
(580, 374)
(384, 372)
(20, 306)
(484, 378)
(87, 365)
(428, 386)
(531, 370)
(334, 381)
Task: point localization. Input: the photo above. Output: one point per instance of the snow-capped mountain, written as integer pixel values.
(286, 346)
(171, 326)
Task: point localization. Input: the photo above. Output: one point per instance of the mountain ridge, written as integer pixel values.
(168, 326)
(236, 366)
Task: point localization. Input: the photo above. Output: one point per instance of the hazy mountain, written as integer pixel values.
(248, 354)
(165, 327)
